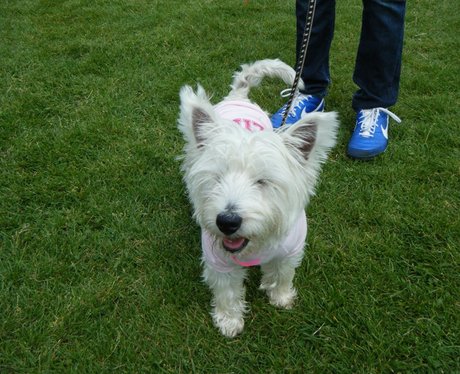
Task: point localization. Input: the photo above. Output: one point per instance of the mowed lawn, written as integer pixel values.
(99, 256)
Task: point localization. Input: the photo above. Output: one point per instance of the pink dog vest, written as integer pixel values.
(224, 262)
(246, 114)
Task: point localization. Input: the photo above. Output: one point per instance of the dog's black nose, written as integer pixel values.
(228, 223)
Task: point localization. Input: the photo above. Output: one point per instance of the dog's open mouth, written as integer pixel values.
(234, 245)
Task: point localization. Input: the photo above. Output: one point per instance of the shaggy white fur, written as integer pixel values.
(248, 190)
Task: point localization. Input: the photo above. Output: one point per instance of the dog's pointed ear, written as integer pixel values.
(305, 135)
(314, 135)
(196, 112)
(302, 137)
(200, 117)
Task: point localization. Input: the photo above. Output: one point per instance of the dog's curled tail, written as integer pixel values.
(251, 75)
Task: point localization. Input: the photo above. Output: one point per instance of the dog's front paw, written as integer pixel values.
(282, 298)
(229, 326)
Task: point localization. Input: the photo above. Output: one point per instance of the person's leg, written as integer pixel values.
(378, 62)
(377, 72)
(315, 73)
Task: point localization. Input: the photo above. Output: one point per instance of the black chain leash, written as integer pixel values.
(302, 57)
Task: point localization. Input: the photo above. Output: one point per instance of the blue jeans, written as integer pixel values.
(378, 62)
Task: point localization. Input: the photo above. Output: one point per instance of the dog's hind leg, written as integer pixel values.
(277, 281)
(228, 301)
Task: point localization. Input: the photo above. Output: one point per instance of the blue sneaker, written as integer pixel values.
(370, 136)
(301, 105)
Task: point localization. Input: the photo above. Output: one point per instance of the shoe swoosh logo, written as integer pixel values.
(385, 131)
(303, 113)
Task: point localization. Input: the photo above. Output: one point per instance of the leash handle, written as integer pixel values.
(302, 57)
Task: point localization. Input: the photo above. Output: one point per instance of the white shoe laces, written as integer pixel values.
(286, 92)
(369, 120)
(298, 97)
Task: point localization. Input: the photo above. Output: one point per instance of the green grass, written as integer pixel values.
(99, 257)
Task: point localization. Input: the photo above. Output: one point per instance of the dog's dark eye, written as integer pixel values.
(262, 182)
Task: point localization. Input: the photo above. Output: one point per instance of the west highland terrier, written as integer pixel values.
(249, 186)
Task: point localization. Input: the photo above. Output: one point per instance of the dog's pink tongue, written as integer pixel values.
(234, 243)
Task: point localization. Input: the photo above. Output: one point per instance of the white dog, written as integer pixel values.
(249, 186)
